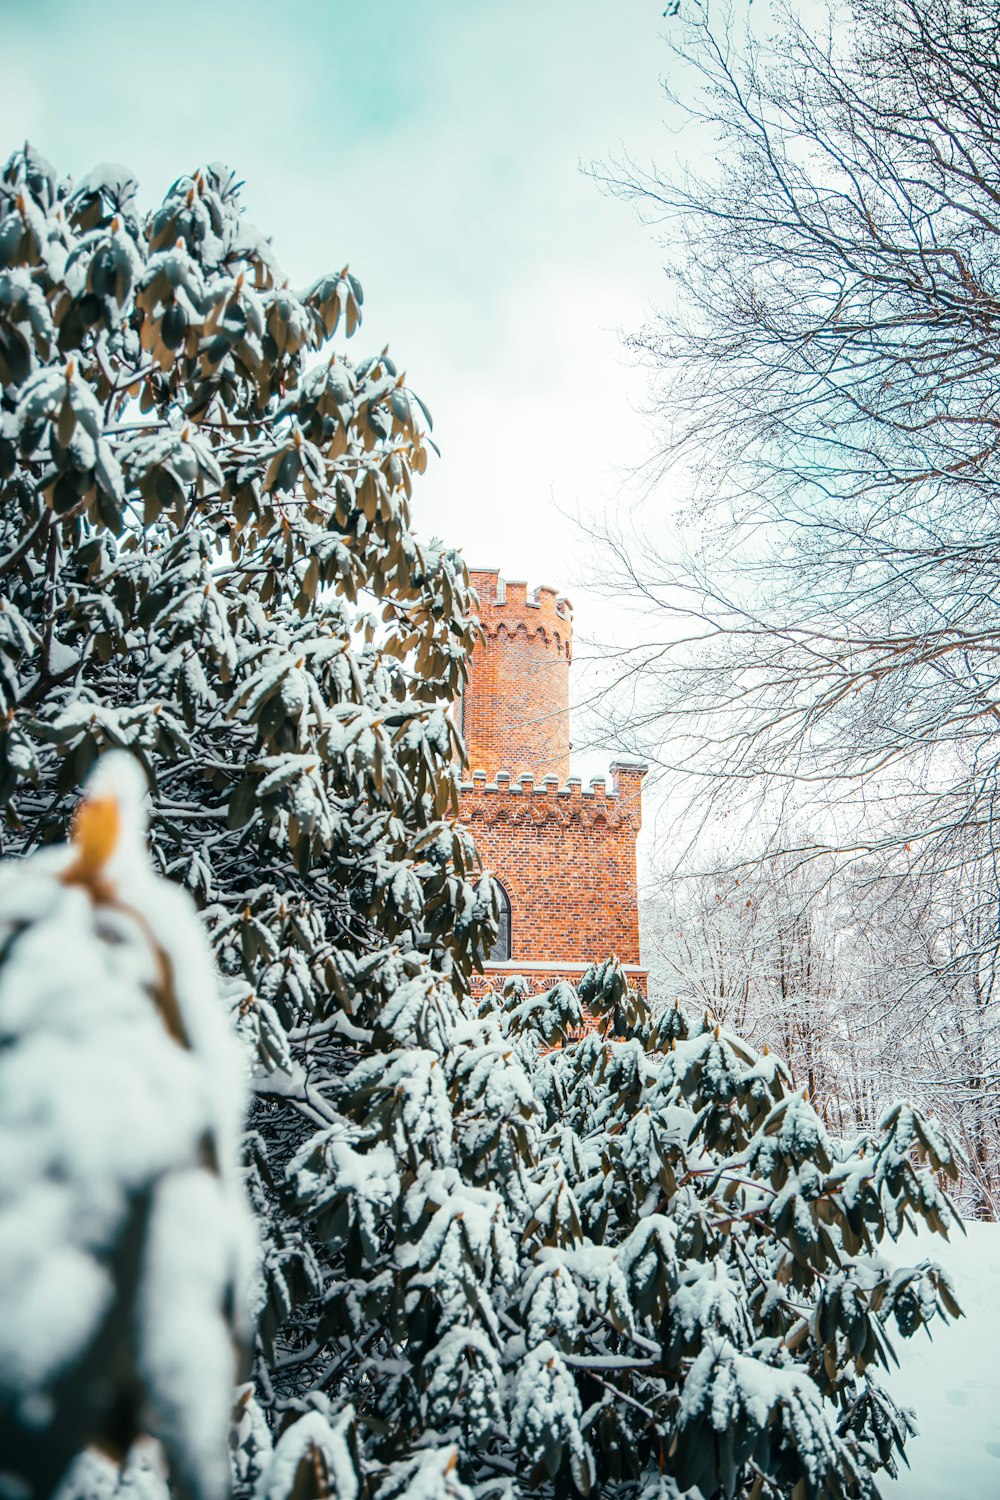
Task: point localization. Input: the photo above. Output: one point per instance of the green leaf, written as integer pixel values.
(242, 802)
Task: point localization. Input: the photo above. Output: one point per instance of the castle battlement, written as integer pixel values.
(507, 606)
(526, 799)
(515, 708)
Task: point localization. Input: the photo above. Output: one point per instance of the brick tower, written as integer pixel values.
(564, 857)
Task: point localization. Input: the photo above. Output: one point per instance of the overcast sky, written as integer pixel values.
(436, 145)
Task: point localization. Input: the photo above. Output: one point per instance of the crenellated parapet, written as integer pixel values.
(524, 800)
(506, 607)
(543, 976)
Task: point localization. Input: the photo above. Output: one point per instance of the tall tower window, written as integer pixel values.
(501, 944)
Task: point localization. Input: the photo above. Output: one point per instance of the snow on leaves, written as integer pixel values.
(344, 1191)
(546, 1418)
(207, 559)
(430, 1475)
(737, 1411)
(684, 1293)
(315, 1458)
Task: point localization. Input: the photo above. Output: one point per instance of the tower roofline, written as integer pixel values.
(504, 598)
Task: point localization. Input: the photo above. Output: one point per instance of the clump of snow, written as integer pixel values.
(430, 1475)
(546, 1415)
(94, 1477)
(125, 1242)
(323, 1446)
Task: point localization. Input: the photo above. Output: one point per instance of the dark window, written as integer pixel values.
(501, 945)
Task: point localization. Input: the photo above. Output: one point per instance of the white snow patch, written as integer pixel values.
(953, 1382)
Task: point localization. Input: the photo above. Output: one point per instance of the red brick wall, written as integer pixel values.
(566, 859)
(515, 710)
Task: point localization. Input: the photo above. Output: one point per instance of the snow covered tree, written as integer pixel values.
(495, 1258)
(761, 950)
(206, 559)
(126, 1252)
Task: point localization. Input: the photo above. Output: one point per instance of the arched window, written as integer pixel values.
(501, 945)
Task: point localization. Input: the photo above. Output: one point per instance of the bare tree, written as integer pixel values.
(825, 645)
(832, 365)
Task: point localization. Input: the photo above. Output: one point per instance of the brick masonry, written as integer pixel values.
(564, 855)
(515, 710)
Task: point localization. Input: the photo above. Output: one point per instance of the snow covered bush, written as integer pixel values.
(632, 1263)
(668, 1276)
(126, 1254)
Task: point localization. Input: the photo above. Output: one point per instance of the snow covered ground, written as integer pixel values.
(953, 1383)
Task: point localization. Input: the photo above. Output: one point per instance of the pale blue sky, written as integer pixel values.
(435, 146)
